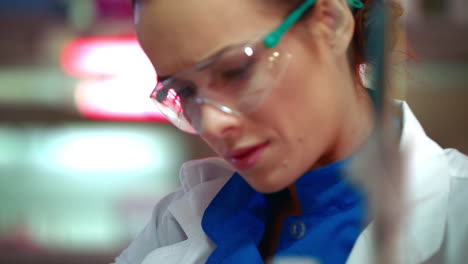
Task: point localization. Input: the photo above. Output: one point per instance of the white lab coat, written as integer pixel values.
(435, 231)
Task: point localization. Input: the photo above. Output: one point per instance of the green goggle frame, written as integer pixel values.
(272, 39)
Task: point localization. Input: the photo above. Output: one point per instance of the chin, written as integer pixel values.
(266, 184)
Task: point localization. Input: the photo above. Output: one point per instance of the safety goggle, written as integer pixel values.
(236, 80)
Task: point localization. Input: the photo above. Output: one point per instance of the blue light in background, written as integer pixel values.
(55, 8)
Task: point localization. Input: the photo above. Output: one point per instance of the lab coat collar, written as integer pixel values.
(201, 180)
(426, 194)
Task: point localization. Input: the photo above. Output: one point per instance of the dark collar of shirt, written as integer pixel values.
(333, 213)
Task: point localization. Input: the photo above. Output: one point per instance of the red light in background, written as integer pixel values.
(105, 56)
(113, 9)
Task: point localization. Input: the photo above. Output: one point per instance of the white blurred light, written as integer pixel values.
(110, 149)
(103, 151)
(116, 59)
(248, 51)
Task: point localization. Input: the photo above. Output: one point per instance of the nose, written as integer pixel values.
(218, 124)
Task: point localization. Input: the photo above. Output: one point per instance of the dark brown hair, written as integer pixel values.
(363, 20)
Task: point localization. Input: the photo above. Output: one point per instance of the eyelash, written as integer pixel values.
(187, 91)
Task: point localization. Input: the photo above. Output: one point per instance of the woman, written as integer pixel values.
(285, 109)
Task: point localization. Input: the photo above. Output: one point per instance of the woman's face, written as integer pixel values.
(301, 122)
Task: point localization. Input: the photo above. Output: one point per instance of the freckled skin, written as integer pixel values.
(308, 117)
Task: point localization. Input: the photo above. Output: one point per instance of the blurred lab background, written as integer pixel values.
(84, 155)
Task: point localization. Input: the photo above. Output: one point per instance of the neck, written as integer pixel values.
(294, 206)
(355, 126)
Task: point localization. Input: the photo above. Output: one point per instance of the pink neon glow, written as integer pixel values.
(115, 98)
(174, 99)
(116, 78)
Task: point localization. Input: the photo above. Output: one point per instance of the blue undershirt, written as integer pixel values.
(333, 214)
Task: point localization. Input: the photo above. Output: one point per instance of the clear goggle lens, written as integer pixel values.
(236, 80)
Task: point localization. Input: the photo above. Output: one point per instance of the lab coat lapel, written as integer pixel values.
(427, 192)
(428, 182)
(189, 210)
(424, 229)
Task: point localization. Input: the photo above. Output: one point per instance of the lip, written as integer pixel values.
(247, 157)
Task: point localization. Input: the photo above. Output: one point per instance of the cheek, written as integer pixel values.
(217, 146)
(306, 109)
(307, 99)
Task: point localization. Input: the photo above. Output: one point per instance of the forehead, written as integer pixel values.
(177, 34)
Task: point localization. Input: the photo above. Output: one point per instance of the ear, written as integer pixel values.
(332, 20)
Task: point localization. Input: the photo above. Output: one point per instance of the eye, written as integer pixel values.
(239, 73)
(175, 91)
(236, 67)
(186, 89)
